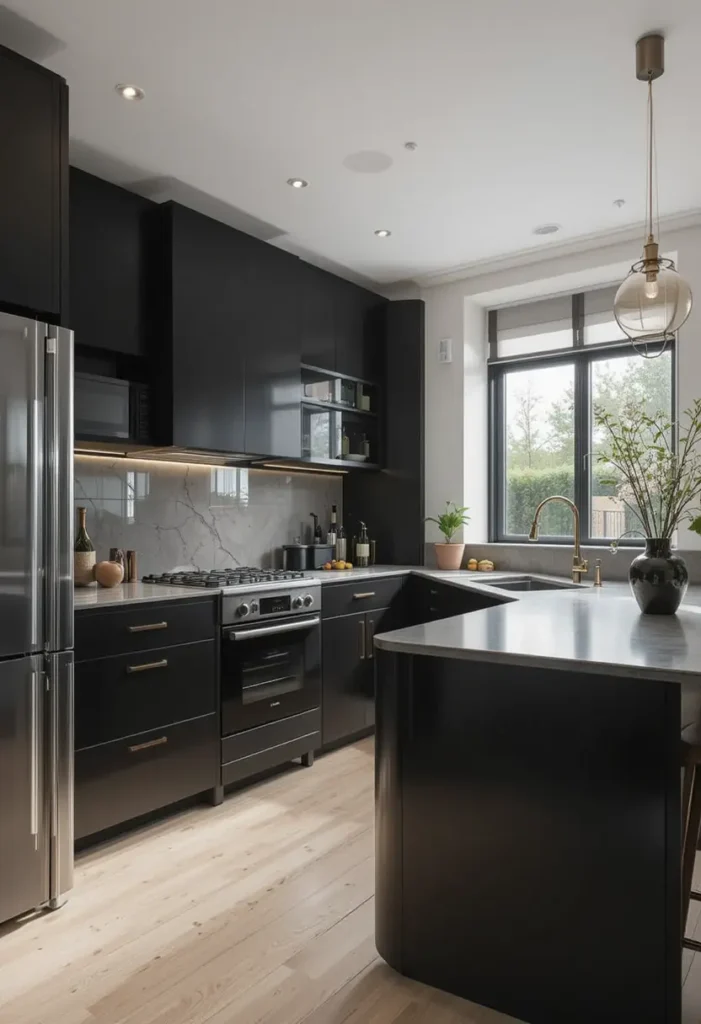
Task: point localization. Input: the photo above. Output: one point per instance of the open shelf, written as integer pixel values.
(338, 407)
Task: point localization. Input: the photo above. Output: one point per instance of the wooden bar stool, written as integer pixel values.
(691, 820)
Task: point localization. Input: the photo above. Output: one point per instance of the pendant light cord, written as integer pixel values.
(650, 147)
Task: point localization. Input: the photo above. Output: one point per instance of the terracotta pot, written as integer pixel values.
(449, 556)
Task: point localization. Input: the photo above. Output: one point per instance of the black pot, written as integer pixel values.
(658, 578)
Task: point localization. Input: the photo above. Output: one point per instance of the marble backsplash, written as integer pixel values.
(205, 517)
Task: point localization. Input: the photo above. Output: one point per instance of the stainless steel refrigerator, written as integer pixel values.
(36, 615)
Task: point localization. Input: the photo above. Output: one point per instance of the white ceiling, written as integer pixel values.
(524, 112)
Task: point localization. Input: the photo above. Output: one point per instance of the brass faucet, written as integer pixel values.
(579, 565)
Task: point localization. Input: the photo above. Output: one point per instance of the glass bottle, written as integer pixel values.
(83, 553)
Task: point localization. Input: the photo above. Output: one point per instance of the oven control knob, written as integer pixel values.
(308, 600)
(254, 606)
(242, 610)
(296, 602)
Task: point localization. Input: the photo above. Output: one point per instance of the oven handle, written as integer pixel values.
(288, 627)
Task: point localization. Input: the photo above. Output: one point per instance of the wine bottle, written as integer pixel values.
(317, 528)
(83, 554)
(331, 535)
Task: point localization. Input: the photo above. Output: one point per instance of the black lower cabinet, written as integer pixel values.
(428, 600)
(128, 777)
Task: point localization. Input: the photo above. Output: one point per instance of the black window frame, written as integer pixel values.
(582, 357)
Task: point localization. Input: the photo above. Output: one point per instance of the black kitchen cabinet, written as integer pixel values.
(205, 298)
(347, 678)
(392, 503)
(348, 656)
(147, 730)
(272, 353)
(33, 189)
(429, 600)
(110, 261)
(359, 323)
(230, 339)
(316, 310)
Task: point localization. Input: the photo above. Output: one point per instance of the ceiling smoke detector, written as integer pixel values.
(130, 92)
(546, 229)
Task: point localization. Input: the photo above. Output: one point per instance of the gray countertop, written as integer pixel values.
(132, 593)
(587, 628)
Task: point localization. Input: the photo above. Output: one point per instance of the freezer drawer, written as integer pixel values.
(24, 854)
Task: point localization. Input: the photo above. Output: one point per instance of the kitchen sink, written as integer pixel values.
(529, 583)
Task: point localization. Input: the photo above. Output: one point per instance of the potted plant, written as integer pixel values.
(448, 554)
(657, 476)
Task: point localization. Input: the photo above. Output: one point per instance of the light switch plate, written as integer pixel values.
(445, 350)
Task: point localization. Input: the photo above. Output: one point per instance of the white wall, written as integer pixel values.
(456, 393)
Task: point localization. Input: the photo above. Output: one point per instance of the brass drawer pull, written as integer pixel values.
(163, 663)
(149, 743)
(148, 627)
(360, 597)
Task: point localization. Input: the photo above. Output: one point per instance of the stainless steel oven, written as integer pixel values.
(270, 656)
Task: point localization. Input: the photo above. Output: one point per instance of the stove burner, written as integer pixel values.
(224, 577)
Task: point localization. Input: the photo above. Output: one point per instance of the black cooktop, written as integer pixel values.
(224, 577)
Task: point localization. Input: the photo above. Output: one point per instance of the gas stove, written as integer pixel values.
(221, 579)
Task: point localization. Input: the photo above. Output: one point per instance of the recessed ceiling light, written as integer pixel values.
(411, 146)
(383, 233)
(546, 229)
(297, 182)
(619, 203)
(130, 92)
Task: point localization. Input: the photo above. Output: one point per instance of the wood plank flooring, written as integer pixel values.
(259, 911)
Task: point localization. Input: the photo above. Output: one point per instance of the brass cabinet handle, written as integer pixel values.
(149, 743)
(147, 666)
(361, 626)
(148, 627)
(360, 597)
(371, 633)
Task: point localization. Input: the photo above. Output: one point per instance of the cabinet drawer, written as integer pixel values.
(362, 596)
(131, 693)
(129, 777)
(143, 627)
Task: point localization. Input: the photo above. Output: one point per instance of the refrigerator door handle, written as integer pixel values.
(61, 700)
(35, 507)
(34, 759)
(59, 489)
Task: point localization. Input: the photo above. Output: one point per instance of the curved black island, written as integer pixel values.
(528, 805)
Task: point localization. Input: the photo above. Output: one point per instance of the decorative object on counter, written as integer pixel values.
(448, 554)
(109, 574)
(335, 564)
(472, 564)
(83, 553)
(597, 573)
(132, 569)
(373, 552)
(355, 457)
(485, 565)
(366, 446)
(345, 444)
(118, 555)
(305, 557)
(654, 300)
(659, 482)
(362, 549)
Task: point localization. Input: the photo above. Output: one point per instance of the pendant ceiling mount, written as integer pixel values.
(654, 300)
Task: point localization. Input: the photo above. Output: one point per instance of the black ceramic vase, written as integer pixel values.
(658, 578)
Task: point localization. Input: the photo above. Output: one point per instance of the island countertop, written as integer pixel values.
(584, 628)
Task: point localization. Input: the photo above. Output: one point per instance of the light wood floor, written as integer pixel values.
(259, 911)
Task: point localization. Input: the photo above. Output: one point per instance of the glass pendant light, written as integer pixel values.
(654, 300)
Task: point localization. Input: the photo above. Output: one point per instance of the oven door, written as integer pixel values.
(269, 671)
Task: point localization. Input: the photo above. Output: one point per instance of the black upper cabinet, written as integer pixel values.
(342, 325)
(33, 189)
(272, 352)
(205, 294)
(109, 261)
(358, 330)
(230, 329)
(317, 324)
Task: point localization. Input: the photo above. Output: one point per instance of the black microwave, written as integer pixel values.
(109, 409)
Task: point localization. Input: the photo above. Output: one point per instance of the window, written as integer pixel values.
(542, 401)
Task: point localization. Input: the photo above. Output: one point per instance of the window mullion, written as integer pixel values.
(582, 403)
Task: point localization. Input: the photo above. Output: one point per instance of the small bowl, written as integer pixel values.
(356, 458)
